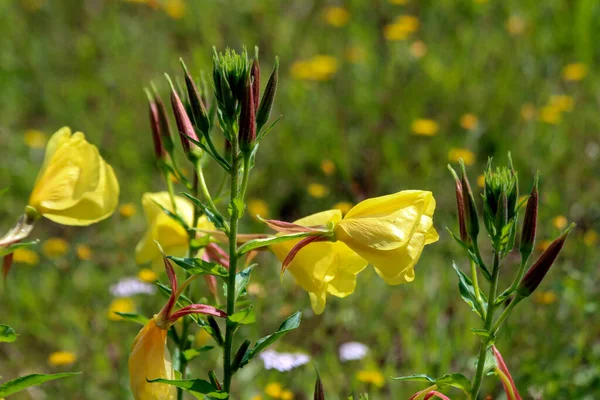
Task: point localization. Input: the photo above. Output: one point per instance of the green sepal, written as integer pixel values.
(198, 266)
(7, 334)
(197, 387)
(133, 317)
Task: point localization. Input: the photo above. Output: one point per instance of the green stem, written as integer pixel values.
(204, 188)
(171, 191)
(476, 284)
(480, 261)
(505, 313)
(489, 319)
(218, 157)
(233, 258)
(519, 276)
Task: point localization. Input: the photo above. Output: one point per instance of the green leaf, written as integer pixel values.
(10, 249)
(416, 378)
(292, 322)
(198, 266)
(241, 281)
(7, 334)
(190, 354)
(194, 386)
(173, 216)
(133, 317)
(263, 242)
(16, 385)
(467, 292)
(483, 333)
(216, 218)
(458, 381)
(237, 205)
(246, 316)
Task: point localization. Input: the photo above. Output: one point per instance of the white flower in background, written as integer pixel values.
(283, 361)
(127, 287)
(353, 351)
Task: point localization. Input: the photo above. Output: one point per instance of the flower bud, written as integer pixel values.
(218, 336)
(163, 119)
(255, 75)
(214, 380)
(538, 270)
(247, 121)
(239, 356)
(530, 222)
(159, 150)
(184, 124)
(319, 391)
(460, 205)
(230, 73)
(500, 195)
(198, 110)
(471, 217)
(268, 97)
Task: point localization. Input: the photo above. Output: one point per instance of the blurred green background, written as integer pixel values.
(376, 96)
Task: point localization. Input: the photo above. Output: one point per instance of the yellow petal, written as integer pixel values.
(150, 359)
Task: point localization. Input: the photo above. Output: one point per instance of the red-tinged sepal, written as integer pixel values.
(196, 309)
(299, 246)
(288, 227)
(6, 264)
(507, 381)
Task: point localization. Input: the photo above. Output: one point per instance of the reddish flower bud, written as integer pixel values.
(538, 270)
(255, 75)
(165, 129)
(239, 356)
(530, 222)
(460, 205)
(197, 107)
(471, 217)
(268, 97)
(159, 150)
(184, 124)
(319, 390)
(507, 381)
(247, 119)
(7, 261)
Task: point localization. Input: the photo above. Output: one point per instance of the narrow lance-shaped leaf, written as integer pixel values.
(16, 385)
(289, 324)
(7, 334)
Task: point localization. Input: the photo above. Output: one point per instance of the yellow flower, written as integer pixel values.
(286, 395)
(161, 228)
(560, 222)
(468, 121)
(122, 305)
(147, 275)
(318, 68)
(84, 252)
(390, 232)
(327, 267)
(175, 8)
(481, 181)
(574, 72)
(418, 49)
(562, 102)
(546, 298)
(35, 139)
(202, 337)
(515, 25)
(456, 154)
(401, 28)
(356, 54)
(62, 358)
(273, 389)
(75, 186)
(55, 247)
(336, 16)
(550, 115)
(374, 378)
(26, 256)
(424, 127)
(343, 206)
(258, 207)
(150, 359)
(127, 210)
(528, 111)
(590, 238)
(328, 167)
(317, 190)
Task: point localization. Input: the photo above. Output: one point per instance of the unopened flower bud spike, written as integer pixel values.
(159, 150)
(199, 113)
(184, 125)
(267, 100)
(460, 205)
(529, 230)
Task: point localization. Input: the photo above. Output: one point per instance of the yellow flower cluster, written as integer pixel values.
(401, 28)
(574, 72)
(26, 256)
(374, 378)
(424, 127)
(317, 68)
(122, 305)
(456, 154)
(258, 207)
(552, 112)
(276, 391)
(59, 358)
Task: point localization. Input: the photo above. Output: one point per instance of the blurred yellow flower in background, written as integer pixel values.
(398, 2)
(515, 25)
(127, 210)
(481, 181)
(59, 358)
(343, 206)
(75, 186)
(550, 115)
(35, 139)
(562, 102)
(328, 167)
(286, 395)
(258, 207)
(574, 72)
(456, 154)
(418, 49)
(55, 247)
(355, 54)
(543, 245)
(401, 28)
(147, 275)
(122, 305)
(528, 111)
(590, 238)
(317, 68)
(424, 127)
(257, 397)
(26, 256)
(273, 389)
(175, 8)
(317, 190)
(545, 297)
(468, 121)
(336, 16)
(560, 222)
(202, 337)
(374, 378)
(84, 252)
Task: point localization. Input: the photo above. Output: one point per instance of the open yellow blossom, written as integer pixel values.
(84, 252)
(468, 121)
(390, 232)
(35, 139)
(258, 207)
(55, 247)
(324, 267)
(574, 72)
(424, 127)
(26, 256)
(456, 154)
(374, 378)
(59, 358)
(317, 190)
(336, 16)
(127, 210)
(75, 186)
(150, 359)
(162, 228)
(122, 305)
(147, 275)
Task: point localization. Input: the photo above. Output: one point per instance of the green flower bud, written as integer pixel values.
(268, 97)
(471, 217)
(198, 110)
(530, 222)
